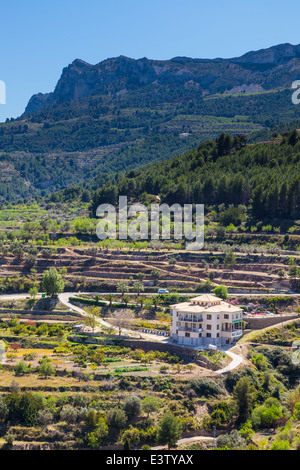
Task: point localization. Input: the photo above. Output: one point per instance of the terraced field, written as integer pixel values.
(105, 269)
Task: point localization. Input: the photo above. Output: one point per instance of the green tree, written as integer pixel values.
(133, 406)
(52, 283)
(169, 430)
(110, 298)
(138, 287)
(116, 418)
(122, 287)
(294, 272)
(126, 299)
(46, 369)
(98, 357)
(155, 301)
(92, 419)
(90, 318)
(150, 405)
(21, 368)
(3, 410)
(155, 274)
(23, 408)
(230, 259)
(268, 414)
(97, 438)
(33, 291)
(243, 399)
(42, 329)
(221, 291)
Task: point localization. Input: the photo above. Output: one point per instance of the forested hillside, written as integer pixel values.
(227, 171)
(123, 113)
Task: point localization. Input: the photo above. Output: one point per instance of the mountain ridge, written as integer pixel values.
(269, 68)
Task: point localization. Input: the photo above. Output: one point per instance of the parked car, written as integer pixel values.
(163, 291)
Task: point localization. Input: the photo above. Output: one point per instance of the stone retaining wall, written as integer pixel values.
(257, 323)
(35, 313)
(184, 353)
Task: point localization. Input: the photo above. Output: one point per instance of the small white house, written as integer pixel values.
(205, 320)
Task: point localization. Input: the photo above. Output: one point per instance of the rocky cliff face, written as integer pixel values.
(266, 69)
(274, 56)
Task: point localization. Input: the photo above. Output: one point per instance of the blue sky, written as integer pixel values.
(39, 38)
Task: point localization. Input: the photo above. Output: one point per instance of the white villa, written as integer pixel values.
(204, 320)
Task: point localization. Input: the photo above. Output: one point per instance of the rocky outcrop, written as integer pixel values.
(262, 70)
(37, 101)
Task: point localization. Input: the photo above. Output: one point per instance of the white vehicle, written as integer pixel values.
(163, 291)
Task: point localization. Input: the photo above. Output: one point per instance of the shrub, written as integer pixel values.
(116, 418)
(130, 436)
(133, 406)
(9, 440)
(219, 416)
(267, 415)
(97, 438)
(280, 445)
(231, 441)
(44, 417)
(69, 414)
(46, 369)
(205, 387)
(21, 368)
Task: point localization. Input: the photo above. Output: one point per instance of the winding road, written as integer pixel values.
(64, 299)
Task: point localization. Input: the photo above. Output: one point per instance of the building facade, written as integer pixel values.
(204, 320)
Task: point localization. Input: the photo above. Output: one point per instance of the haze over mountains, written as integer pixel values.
(124, 113)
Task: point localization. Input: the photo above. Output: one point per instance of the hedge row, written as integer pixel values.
(101, 302)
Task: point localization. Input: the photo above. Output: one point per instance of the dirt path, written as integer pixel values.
(186, 440)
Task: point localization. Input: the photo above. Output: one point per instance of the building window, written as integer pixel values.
(187, 335)
(208, 335)
(226, 316)
(200, 335)
(208, 317)
(218, 327)
(208, 327)
(218, 335)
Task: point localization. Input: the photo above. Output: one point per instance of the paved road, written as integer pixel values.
(236, 361)
(64, 298)
(14, 296)
(190, 293)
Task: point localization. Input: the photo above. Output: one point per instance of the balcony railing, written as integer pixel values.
(190, 319)
(188, 329)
